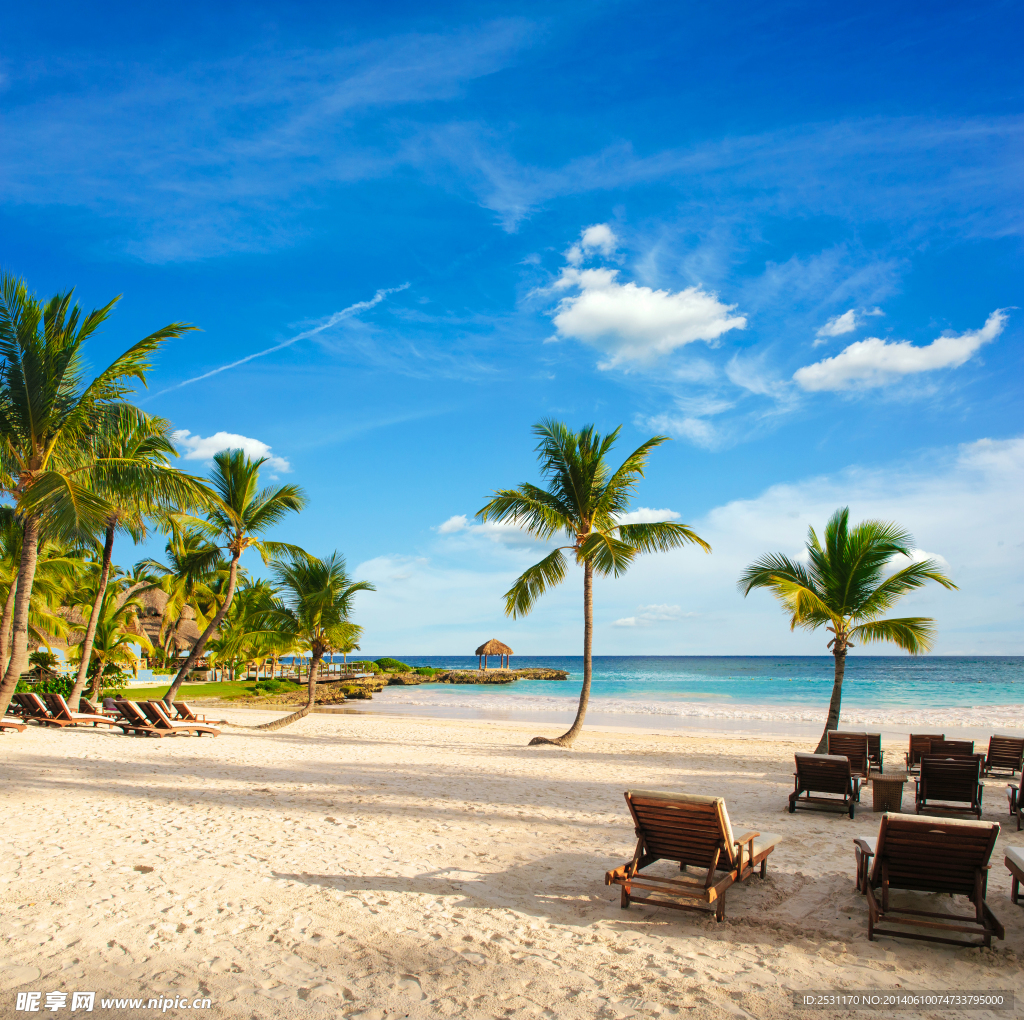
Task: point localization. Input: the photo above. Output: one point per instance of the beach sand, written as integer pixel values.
(372, 867)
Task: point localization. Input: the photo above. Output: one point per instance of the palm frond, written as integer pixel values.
(533, 582)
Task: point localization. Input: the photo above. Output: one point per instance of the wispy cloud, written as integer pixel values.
(333, 320)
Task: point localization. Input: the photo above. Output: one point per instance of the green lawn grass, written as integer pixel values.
(224, 691)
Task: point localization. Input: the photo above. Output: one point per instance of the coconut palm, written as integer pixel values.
(586, 501)
(240, 514)
(312, 614)
(847, 586)
(132, 472)
(350, 645)
(47, 417)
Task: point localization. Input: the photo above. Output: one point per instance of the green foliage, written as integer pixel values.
(393, 665)
(365, 667)
(427, 671)
(55, 685)
(270, 686)
(43, 659)
(354, 693)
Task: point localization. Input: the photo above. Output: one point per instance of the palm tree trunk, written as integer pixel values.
(276, 724)
(566, 739)
(837, 696)
(5, 624)
(200, 647)
(19, 639)
(94, 618)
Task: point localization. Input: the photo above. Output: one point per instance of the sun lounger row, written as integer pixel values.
(148, 718)
(1004, 753)
(909, 854)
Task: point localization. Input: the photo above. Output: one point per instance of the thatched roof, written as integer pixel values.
(494, 647)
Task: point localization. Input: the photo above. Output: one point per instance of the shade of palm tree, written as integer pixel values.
(586, 501)
(47, 416)
(241, 513)
(846, 586)
(131, 470)
(312, 614)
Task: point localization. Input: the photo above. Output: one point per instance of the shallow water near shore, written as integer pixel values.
(738, 693)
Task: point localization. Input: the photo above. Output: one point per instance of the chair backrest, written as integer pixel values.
(932, 854)
(952, 747)
(874, 745)
(824, 773)
(154, 715)
(38, 707)
(1005, 752)
(683, 827)
(131, 712)
(185, 711)
(854, 746)
(949, 778)
(921, 743)
(58, 706)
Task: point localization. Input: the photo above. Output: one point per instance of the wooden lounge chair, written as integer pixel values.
(12, 724)
(920, 743)
(875, 750)
(951, 748)
(184, 711)
(62, 713)
(854, 746)
(91, 706)
(950, 779)
(33, 710)
(131, 719)
(1014, 861)
(1005, 753)
(928, 855)
(824, 773)
(156, 713)
(691, 830)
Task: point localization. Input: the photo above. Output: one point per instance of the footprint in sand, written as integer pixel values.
(410, 986)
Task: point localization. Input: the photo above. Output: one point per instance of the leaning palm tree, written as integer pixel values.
(131, 470)
(47, 417)
(241, 512)
(847, 586)
(586, 501)
(312, 614)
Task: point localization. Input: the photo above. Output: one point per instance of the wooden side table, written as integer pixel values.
(887, 791)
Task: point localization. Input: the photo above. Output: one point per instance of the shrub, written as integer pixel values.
(427, 671)
(44, 660)
(364, 667)
(393, 666)
(269, 686)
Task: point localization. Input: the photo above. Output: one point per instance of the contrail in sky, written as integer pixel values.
(345, 313)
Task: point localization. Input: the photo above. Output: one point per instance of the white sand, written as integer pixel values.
(370, 867)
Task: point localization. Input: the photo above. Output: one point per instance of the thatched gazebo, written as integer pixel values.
(493, 647)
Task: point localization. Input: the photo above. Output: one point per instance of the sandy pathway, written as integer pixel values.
(371, 867)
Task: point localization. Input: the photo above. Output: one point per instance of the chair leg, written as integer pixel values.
(624, 899)
(764, 868)
(1014, 889)
(720, 908)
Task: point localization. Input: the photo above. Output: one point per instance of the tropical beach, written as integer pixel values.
(511, 513)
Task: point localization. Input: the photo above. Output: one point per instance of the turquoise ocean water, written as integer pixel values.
(878, 690)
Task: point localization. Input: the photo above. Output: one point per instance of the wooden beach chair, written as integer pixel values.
(928, 855)
(920, 743)
(692, 831)
(1005, 753)
(951, 748)
(1014, 861)
(62, 713)
(12, 724)
(156, 713)
(854, 746)
(130, 718)
(875, 750)
(824, 773)
(952, 781)
(184, 711)
(1013, 796)
(34, 710)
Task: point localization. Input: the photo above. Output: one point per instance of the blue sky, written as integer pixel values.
(788, 236)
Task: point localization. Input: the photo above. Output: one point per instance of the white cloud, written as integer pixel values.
(839, 324)
(647, 616)
(598, 237)
(875, 362)
(502, 534)
(633, 323)
(645, 515)
(203, 448)
(457, 523)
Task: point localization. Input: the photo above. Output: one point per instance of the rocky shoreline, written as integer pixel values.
(477, 676)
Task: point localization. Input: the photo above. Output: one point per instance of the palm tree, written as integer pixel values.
(350, 645)
(846, 587)
(47, 417)
(585, 500)
(132, 472)
(312, 613)
(240, 514)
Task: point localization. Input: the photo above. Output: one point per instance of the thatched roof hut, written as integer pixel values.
(493, 647)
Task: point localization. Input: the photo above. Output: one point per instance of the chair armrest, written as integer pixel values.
(747, 837)
(864, 848)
